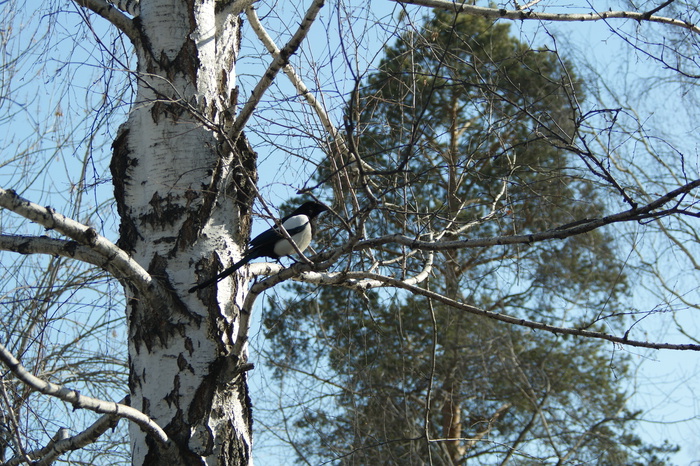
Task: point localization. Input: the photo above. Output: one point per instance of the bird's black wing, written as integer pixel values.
(266, 237)
(266, 240)
(265, 243)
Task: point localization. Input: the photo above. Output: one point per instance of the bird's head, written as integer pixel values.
(310, 208)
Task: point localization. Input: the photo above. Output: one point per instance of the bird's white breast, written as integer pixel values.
(302, 239)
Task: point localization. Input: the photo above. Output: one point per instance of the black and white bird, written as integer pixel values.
(273, 243)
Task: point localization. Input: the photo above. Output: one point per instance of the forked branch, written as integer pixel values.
(80, 401)
(63, 443)
(277, 64)
(522, 14)
(114, 258)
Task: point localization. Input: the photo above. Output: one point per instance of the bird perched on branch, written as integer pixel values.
(273, 243)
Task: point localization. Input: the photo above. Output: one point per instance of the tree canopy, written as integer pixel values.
(465, 128)
(510, 228)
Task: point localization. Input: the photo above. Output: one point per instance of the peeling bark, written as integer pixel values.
(183, 192)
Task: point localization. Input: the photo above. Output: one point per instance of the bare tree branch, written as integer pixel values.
(643, 213)
(396, 283)
(10, 423)
(367, 280)
(277, 64)
(56, 247)
(341, 155)
(295, 79)
(114, 16)
(87, 236)
(658, 8)
(364, 280)
(80, 401)
(62, 443)
(521, 14)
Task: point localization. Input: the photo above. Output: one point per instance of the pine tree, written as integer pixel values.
(462, 122)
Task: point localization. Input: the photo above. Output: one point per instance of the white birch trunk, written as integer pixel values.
(182, 194)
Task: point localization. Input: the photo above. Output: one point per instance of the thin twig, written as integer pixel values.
(61, 443)
(80, 401)
(277, 64)
(521, 15)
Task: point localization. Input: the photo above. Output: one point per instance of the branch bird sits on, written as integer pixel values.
(273, 243)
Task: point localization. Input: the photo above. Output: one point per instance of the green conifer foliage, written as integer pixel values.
(466, 130)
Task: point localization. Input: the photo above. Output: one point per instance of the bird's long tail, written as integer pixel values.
(247, 258)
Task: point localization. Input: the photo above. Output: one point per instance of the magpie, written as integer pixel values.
(273, 243)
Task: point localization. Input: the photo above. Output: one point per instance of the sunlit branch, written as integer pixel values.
(363, 280)
(55, 247)
(277, 64)
(62, 443)
(114, 257)
(113, 15)
(527, 5)
(313, 273)
(295, 79)
(493, 210)
(344, 166)
(644, 213)
(520, 15)
(371, 279)
(80, 401)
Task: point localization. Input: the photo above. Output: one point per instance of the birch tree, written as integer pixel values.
(185, 191)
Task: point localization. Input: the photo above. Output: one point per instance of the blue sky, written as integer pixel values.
(44, 102)
(664, 385)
